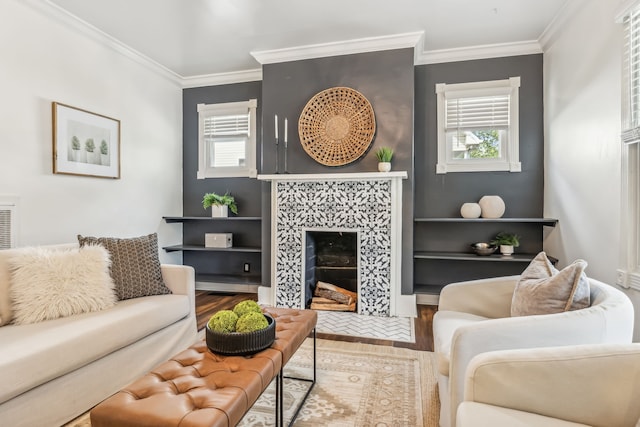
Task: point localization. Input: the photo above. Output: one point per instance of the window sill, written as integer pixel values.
(478, 167)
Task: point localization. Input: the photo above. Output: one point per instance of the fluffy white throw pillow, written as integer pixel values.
(48, 284)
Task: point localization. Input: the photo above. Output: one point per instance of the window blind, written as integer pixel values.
(631, 67)
(490, 112)
(228, 125)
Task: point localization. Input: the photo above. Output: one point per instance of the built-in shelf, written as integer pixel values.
(550, 222)
(442, 253)
(169, 219)
(455, 256)
(221, 269)
(427, 289)
(175, 248)
(229, 279)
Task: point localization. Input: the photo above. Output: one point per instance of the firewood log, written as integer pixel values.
(336, 293)
(333, 307)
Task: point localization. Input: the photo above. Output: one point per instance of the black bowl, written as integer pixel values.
(241, 343)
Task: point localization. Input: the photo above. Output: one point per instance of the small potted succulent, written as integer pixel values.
(384, 155)
(220, 204)
(506, 242)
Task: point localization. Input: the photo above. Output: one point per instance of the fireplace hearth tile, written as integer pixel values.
(356, 325)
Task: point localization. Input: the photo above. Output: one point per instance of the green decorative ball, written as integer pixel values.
(251, 322)
(245, 307)
(223, 321)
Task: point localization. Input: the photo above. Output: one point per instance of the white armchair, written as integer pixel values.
(475, 317)
(589, 385)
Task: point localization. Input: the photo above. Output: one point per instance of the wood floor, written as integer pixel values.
(208, 303)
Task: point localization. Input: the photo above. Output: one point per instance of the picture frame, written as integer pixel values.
(85, 143)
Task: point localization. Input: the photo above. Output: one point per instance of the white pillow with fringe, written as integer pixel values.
(48, 284)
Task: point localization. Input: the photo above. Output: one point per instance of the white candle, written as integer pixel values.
(285, 131)
(276, 127)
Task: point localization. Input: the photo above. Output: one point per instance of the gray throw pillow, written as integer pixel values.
(135, 265)
(542, 289)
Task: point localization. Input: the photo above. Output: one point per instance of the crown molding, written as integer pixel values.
(566, 13)
(82, 27)
(222, 78)
(347, 47)
(478, 52)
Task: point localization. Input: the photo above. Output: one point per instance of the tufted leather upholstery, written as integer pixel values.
(200, 388)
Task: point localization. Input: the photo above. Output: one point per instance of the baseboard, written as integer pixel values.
(427, 299)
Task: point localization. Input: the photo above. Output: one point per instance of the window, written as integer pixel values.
(630, 18)
(478, 126)
(227, 140)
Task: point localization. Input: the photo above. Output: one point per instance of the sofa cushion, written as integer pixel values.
(474, 414)
(6, 311)
(445, 325)
(135, 266)
(39, 352)
(542, 289)
(47, 283)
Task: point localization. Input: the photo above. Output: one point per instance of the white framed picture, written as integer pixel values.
(85, 143)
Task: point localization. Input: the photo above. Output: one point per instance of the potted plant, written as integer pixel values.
(75, 148)
(89, 146)
(104, 153)
(506, 241)
(220, 205)
(384, 155)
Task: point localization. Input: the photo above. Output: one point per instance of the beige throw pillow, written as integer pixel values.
(542, 289)
(135, 265)
(47, 284)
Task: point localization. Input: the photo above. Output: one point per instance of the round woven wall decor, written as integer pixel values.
(336, 126)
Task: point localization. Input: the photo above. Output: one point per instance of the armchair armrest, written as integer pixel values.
(586, 326)
(590, 384)
(485, 297)
(181, 279)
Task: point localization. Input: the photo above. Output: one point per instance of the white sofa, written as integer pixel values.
(55, 370)
(475, 317)
(588, 385)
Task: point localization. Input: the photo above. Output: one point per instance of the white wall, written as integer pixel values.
(582, 75)
(44, 59)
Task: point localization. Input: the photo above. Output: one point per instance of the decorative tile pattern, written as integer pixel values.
(352, 324)
(360, 206)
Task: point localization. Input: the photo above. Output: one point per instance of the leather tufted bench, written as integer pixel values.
(200, 388)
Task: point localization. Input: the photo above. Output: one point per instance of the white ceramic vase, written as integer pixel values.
(506, 249)
(384, 166)
(219, 211)
(492, 206)
(470, 210)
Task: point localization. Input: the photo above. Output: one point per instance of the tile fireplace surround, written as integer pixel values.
(369, 204)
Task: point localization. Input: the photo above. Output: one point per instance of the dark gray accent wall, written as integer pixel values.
(386, 79)
(245, 190)
(442, 195)
(400, 94)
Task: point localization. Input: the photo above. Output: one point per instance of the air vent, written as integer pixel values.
(7, 225)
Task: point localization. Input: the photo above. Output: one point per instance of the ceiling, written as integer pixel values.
(204, 37)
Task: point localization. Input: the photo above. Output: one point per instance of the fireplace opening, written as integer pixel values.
(331, 276)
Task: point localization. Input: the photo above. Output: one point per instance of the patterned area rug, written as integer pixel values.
(357, 385)
(356, 325)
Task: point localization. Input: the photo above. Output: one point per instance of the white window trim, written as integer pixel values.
(628, 276)
(250, 168)
(511, 160)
